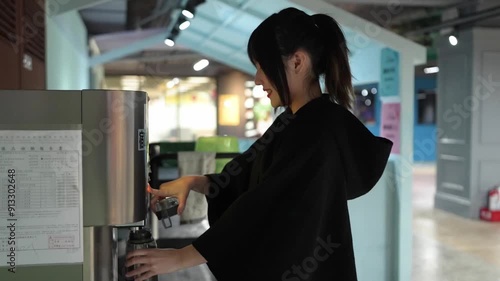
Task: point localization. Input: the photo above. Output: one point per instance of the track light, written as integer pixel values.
(453, 36)
(169, 42)
(431, 70)
(189, 10)
(183, 22)
(184, 25)
(175, 31)
(200, 65)
(453, 40)
(188, 14)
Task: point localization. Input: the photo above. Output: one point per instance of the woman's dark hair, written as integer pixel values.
(284, 33)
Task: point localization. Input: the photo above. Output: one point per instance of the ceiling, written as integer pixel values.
(129, 33)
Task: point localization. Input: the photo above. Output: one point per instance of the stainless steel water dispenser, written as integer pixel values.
(113, 198)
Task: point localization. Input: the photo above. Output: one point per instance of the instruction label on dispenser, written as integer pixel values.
(41, 197)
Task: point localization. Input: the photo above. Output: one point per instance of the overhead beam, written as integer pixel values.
(215, 22)
(482, 15)
(240, 9)
(58, 7)
(246, 67)
(215, 40)
(158, 12)
(388, 3)
(170, 58)
(125, 51)
(136, 46)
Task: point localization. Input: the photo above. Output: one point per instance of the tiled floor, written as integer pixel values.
(447, 247)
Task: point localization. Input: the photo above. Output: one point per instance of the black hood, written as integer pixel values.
(364, 156)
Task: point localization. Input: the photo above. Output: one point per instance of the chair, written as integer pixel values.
(219, 144)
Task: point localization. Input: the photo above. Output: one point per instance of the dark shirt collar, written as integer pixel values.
(311, 104)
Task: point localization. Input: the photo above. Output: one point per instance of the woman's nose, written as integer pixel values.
(257, 81)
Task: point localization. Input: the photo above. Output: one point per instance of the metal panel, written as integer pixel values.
(453, 204)
(488, 176)
(488, 99)
(112, 121)
(40, 107)
(424, 3)
(454, 120)
(101, 254)
(73, 272)
(453, 175)
(39, 110)
(485, 136)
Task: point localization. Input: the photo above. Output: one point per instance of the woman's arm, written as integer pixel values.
(190, 257)
(199, 184)
(160, 261)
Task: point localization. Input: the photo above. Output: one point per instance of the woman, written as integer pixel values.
(279, 210)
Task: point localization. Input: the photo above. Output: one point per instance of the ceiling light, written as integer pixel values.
(453, 40)
(172, 83)
(364, 92)
(188, 14)
(190, 8)
(431, 70)
(169, 42)
(184, 25)
(198, 80)
(131, 83)
(200, 65)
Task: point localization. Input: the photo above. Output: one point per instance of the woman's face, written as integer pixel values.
(272, 93)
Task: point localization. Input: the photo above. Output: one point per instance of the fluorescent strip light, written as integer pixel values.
(200, 65)
(431, 70)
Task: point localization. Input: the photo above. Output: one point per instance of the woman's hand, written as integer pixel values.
(153, 262)
(160, 261)
(179, 189)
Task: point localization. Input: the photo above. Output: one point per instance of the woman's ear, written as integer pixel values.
(298, 61)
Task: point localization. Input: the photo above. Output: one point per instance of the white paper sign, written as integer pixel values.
(41, 218)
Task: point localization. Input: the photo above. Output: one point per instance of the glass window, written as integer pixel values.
(180, 109)
(259, 112)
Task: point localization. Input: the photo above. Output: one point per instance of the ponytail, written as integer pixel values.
(334, 61)
(282, 34)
